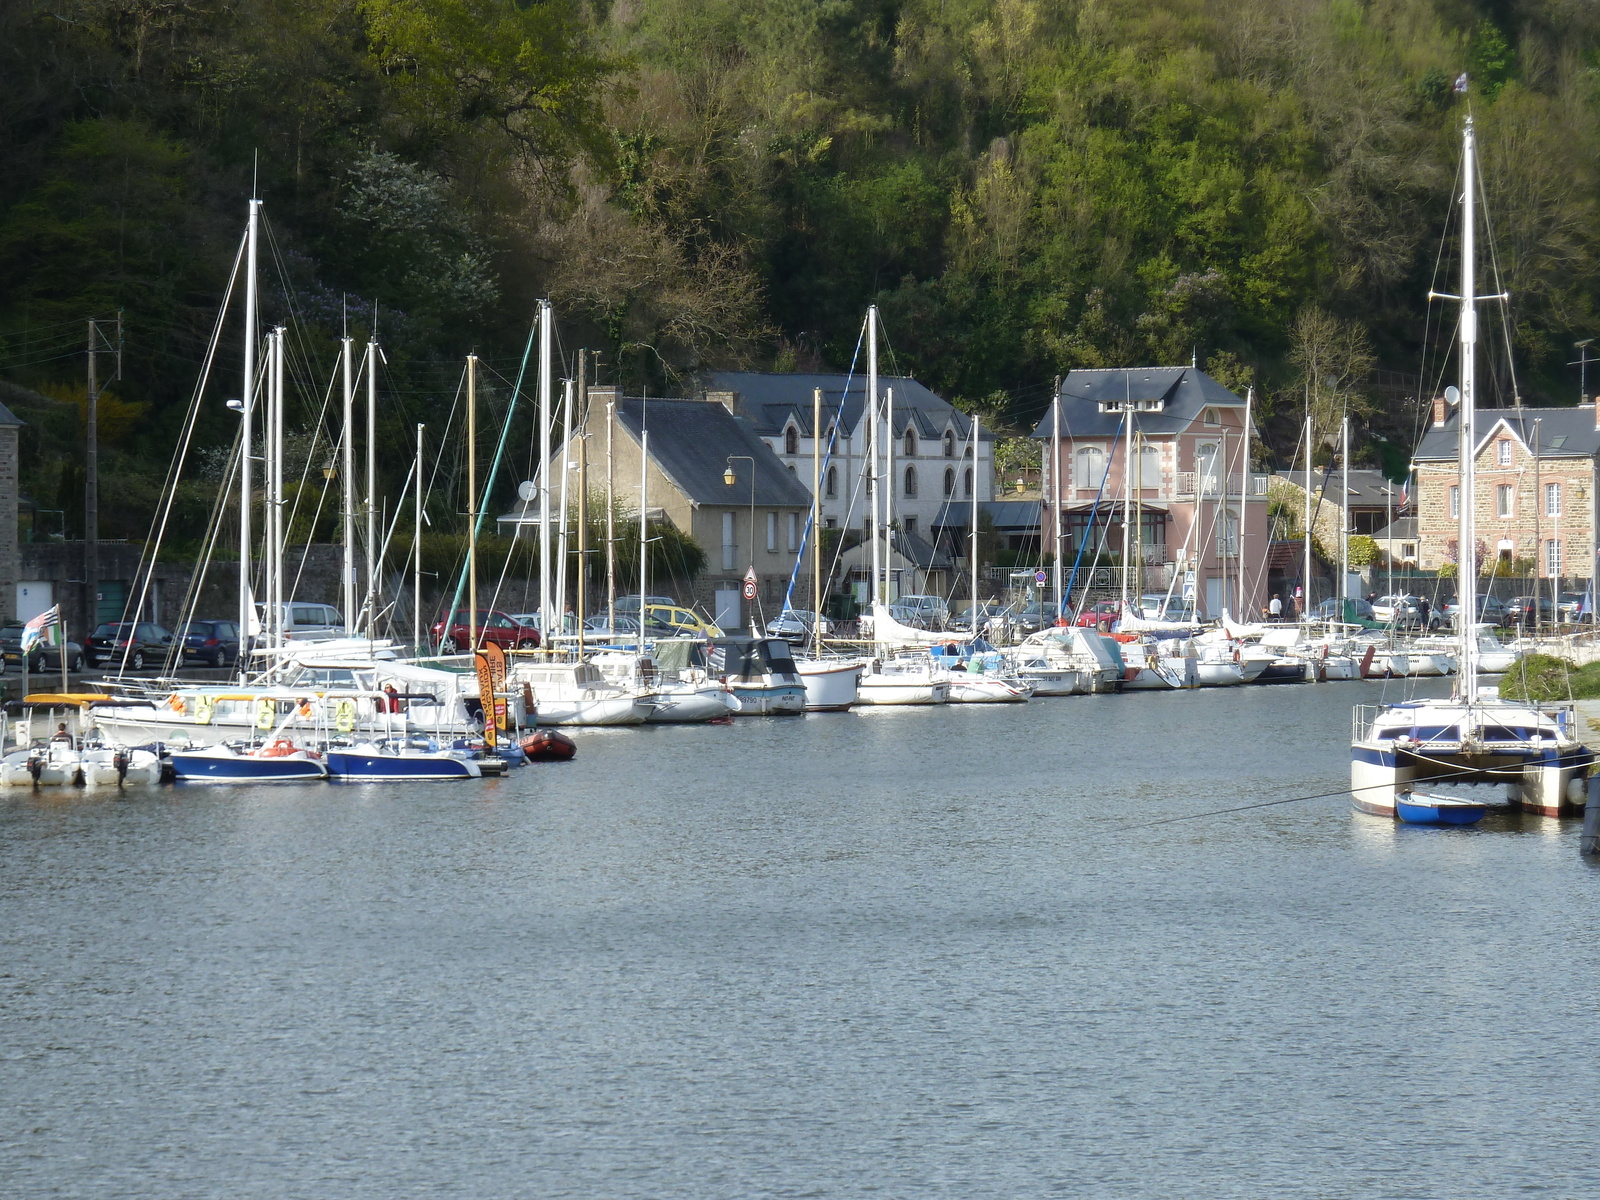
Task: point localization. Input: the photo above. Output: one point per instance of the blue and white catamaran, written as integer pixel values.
(1471, 738)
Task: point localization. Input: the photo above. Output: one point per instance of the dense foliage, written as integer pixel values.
(1024, 186)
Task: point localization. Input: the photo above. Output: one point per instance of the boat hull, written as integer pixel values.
(771, 699)
(882, 691)
(619, 710)
(202, 767)
(830, 686)
(370, 765)
(691, 705)
(1437, 810)
(986, 691)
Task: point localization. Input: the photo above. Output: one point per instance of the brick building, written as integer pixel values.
(1536, 470)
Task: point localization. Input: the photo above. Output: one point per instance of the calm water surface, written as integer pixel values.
(895, 953)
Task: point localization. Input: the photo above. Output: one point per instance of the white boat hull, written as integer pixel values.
(885, 690)
(987, 691)
(1219, 674)
(831, 685)
(689, 704)
(609, 710)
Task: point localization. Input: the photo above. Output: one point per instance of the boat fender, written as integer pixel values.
(266, 713)
(344, 717)
(203, 707)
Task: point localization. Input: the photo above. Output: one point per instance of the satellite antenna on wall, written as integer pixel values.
(527, 490)
(1453, 394)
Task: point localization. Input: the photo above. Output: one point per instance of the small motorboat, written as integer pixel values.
(1419, 808)
(398, 761)
(279, 761)
(548, 745)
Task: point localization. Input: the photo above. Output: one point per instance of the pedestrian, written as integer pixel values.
(1275, 609)
(1423, 610)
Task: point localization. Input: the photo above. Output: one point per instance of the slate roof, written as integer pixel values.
(690, 440)
(1403, 530)
(1185, 391)
(769, 400)
(1563, 432)
(1368, 489)
(919, 551)
(1007, 515)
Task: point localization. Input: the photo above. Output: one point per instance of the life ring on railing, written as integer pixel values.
(281, 748)
(344, 717)
(304, 708)
(266, 713)
(203, 707)
(176, 703)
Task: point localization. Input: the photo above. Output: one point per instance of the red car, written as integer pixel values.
(1102, 610)
(493, 626)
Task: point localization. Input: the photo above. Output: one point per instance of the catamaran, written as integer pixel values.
(1473, 737)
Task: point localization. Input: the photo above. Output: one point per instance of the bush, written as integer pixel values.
(1543, 677)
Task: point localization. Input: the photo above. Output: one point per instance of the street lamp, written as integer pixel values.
(1583, 362)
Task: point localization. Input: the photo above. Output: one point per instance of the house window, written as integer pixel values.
(791, 440)
(833, 481)
(1502, 451)
(1228, 534)
(1502, 500)
(1552, 558)
(949, 444)
(1091, 466)
(794, 531)
(1206, 455)
(772, 532)
(1408, 551)
(911, 480)
(1212, 417)
(967, 484)
(1455, 502)
(1552, 499)
(730, 547)
(911, 443)
(830, 523)
(910, 524)
(1150, 466)
(949, 481)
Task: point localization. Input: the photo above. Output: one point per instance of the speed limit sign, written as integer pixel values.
(749, 590)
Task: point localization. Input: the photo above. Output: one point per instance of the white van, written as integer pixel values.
(303, 622)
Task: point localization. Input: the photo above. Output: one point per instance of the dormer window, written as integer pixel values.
(1211, 417)
(1502, 451)
(791, 440)
(949, 444)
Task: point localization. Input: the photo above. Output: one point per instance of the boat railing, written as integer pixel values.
(1362, 719)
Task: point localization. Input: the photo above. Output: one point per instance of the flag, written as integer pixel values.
(46, 627)
(1461, 82)
(1405, 494)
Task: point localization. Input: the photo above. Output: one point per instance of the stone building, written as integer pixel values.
(1535, 502)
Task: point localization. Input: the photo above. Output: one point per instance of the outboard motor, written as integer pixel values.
(119, 760)
(36, 768)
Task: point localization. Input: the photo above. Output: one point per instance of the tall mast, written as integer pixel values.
(246, 408)
(547, 618)
(975, 432)
(372, 487)
(1055, 496)
(416, 555)
(873, 453)
(816, 520)
(1127, 505)
(348, 577)
(644, 519)
(472, 510)
(583, 495)
(1344, 524)
(1305, 603)
(1467, 557)
(889, 487)
(611, 523)
(275, 496)
(1244, 494)
(566, 470)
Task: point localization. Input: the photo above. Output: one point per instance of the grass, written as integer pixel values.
(1540, 677)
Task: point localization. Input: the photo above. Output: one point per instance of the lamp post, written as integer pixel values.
(1582, 364)
(729, 478)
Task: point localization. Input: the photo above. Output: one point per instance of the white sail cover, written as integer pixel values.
(886, 631)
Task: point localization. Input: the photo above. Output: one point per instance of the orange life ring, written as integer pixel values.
(281, 748)
(177, 704)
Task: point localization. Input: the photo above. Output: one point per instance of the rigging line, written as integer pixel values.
(1499, 287)
(319, 431)
(191, 595)
(174, 470)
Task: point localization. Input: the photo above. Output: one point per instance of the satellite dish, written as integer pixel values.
(527, 489)
(1453, 394)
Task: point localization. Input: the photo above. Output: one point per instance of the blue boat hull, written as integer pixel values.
(394, 768)
(1419, 813)
(205, 768)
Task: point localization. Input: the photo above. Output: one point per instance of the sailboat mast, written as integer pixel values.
(1127, 504)
(1305, 603)
(975, 434)
(348, 568)
(816, 521)
(372, 488)
(1244, 495)
(472, 505)
(246, 409)
(547, 618)
(1467, 557)
(611, 521)
(275, 475)
(560, 620)
(1055, 497)
(1344, 524)
(873, 452)
(416, 556)
(644, 516)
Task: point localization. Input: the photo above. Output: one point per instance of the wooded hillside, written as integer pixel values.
(1024, 186)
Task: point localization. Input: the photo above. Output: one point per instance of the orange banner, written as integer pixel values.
(487, 697)
(497, 673)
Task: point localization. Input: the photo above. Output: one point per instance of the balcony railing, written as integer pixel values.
(1190, 485)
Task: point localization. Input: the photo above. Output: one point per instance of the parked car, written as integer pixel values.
(136, 644)
(1402, 610)
(673, 620)
(215, 643)
(40, 657)
(1520, 610)
(1489, 610)
(504, 630)
(795, 625)
(1568, 606)
(1100, 612)
(935, 613)
(1355, 609)
(1158, 606)
(307, 621)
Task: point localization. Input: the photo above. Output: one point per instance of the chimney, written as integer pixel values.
(602, 396)
(1441, 410)
(728, 400)
(1596, 407)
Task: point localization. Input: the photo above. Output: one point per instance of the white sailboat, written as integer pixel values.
(1531, 749)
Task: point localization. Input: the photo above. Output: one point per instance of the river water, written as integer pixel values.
(892, 953)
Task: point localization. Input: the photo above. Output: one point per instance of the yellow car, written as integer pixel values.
(681, 621)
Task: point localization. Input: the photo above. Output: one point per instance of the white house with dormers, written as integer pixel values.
(933, 454)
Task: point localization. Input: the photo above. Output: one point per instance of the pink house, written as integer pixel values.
(1192, 518)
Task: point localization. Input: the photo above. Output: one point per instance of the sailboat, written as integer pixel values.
(1530, 748)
